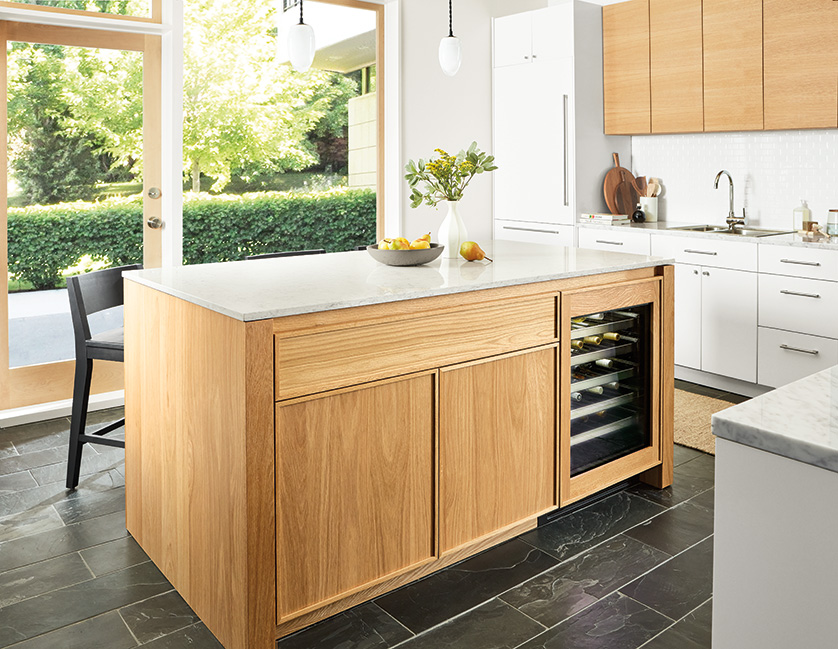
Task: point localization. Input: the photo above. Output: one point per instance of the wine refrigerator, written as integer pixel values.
(610, 388)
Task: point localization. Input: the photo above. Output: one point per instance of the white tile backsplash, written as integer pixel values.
(771, 172)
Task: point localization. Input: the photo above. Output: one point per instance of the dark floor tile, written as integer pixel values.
(684, 454)
(454, 590)
(17, 463)
(707, 391)
(364, 627)
(39, 436)
(17, 482)
(63, 540)
(116, 555)
(32, 521)
(42, 577)
(691, 478)
(676, 529)
(574, 585)
(706, 499)
(7, 448)
(585, 528)
(106, 631)
(72, 604)
(91, 463)
(678, 586)
(193, 637)
(158, 616)
(693, 632)
(616, 622)
(494, 625)
(82, 504)
(99, 418)
(51, 494)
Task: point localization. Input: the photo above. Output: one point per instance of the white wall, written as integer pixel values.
(771, 171)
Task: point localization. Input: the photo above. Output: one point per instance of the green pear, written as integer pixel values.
(470, 251)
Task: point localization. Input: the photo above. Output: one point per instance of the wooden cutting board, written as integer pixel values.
(620, 189)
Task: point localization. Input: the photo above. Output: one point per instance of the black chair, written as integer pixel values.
(289, 253)
(91, 293)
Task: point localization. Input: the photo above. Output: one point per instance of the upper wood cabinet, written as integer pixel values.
(801, 64)
(733, 65)
(675, 32)
(625, 70)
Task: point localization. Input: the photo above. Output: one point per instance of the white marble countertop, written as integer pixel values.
(798, 421)
(672, 228)
(272, 288)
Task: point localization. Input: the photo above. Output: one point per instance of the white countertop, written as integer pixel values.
(272, 288)
(664, 228)
(798, 421)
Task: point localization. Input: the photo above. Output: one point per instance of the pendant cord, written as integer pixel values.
(301, 12)
(450, 20)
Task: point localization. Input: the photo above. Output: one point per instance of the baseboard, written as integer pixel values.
(58, 409)
(718, 382)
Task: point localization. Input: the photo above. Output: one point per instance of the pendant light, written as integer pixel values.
(450, 54)
(301, 46)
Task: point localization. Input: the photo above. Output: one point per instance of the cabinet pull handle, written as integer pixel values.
(702, 252)
(566, 153)
(706, 273)
(509, 227)
(811, 352)
(812, 295)
(800, 263)
(610, 243)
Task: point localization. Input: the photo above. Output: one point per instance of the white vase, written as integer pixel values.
(452, 232)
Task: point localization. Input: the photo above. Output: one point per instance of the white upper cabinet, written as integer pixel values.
(513, 40)
(542, 35)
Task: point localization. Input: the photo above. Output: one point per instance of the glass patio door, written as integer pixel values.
(81, 130)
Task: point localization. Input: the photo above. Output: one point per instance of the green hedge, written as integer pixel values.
(44, 240)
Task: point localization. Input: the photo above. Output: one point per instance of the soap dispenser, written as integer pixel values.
(802, 217)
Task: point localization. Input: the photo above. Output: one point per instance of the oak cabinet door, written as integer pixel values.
(355, 489)
(801, 64)
(497, 444)
(676, 49)
(625, 49)
(733, 65)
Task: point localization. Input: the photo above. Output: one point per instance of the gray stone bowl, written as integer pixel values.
(406, 257)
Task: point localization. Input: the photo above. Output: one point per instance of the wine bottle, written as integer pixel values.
(612, 335)
(577, 344)
(593, 340)
(597, 389)
(576, 396)
(614, 385)
(629, 339)
(596, 316)
(606, 362)
(579, 321)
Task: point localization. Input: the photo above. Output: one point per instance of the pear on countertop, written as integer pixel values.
(470, 251)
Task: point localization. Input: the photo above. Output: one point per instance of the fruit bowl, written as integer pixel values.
(405, 257)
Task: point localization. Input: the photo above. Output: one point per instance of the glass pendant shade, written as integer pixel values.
(301, 46)
(450, 55)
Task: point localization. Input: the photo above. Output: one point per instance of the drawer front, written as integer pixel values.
(615, 240)
(708, 252)
(785, 357)
(808, 306)
(555, 235)
(317, 362)
(799, 262)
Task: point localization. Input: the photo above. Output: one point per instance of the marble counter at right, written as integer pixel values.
(775, 571)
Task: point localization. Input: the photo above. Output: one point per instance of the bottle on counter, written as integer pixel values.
(832, 223)
(802, 217)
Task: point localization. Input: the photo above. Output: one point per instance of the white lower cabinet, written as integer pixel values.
(716, 321)
(616, 240)
(799, 304)
(556, 235)
(785, 356)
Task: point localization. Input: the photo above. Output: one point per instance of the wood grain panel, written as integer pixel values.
(199, 458)
(733, 65)
(34, 384)
(677, 79)
(156, 11)
(355, 490)
(497, 444)
(801, 64)
(152, 149)
(74, 37)
(626, 72)
(322, 361)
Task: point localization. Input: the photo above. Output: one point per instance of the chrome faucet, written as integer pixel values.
(731, 220)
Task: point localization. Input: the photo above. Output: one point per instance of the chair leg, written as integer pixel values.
(81, 394)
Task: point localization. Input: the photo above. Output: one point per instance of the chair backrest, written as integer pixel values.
(289, 253)
(94, 292)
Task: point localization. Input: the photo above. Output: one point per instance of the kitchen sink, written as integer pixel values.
(738, 232)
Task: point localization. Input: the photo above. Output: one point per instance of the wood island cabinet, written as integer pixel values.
(280, 471)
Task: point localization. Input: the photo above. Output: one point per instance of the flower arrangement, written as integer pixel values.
(446, 177)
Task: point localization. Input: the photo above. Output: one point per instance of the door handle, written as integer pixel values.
(811, 352)
(702, 252)
(509, 227)
(610, 243)
(566, 154)
(154, 223)
(795, 293)
(800, 263)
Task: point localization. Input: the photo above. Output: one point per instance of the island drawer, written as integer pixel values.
(319, 361)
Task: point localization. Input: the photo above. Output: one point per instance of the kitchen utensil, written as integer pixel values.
(653, 188)
(609, 188)
(405, 257)
(641, 185)
(620, 189)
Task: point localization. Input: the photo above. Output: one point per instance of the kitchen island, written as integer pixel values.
(306, 433)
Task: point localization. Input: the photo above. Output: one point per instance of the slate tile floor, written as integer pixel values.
(631, 570)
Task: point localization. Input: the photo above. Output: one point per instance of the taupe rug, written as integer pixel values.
(692, 420)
